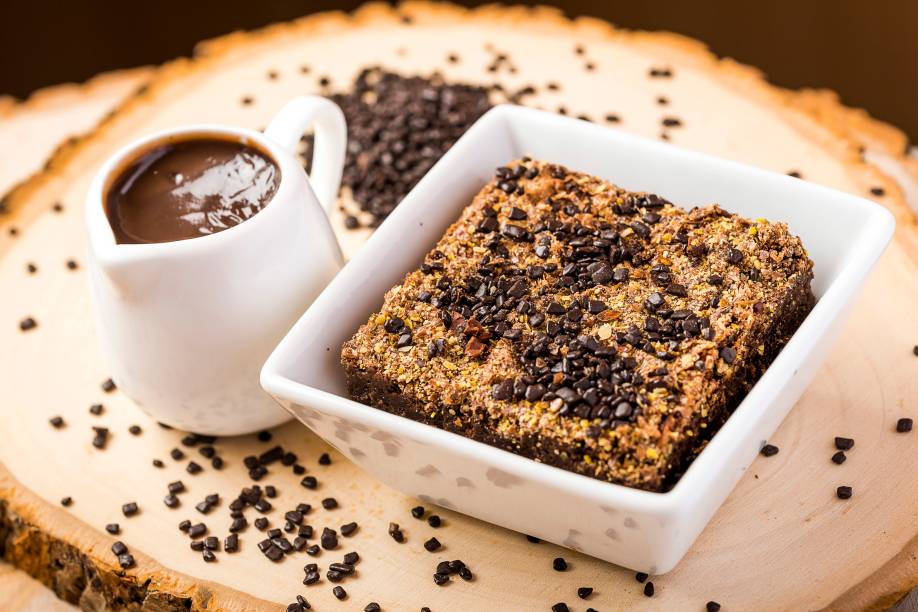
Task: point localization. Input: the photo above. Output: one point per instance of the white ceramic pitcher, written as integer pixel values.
(185, 326)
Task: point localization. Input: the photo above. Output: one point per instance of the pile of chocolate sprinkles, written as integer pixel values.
(398, 127)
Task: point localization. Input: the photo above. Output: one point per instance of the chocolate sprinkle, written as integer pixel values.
(844, 492)
(712, 606)
(27, 324)
(584, 592)
(769, 450)
(559, 564)
(648, 589)
(904, 425)
(839, 457)
(844, 443)
(56, 422)
(432, 545)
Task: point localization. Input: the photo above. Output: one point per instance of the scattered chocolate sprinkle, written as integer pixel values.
(66, 501)
(351, 222)
(432, 544)
(309, 482)
(844, 492)
(440, 579)
(108, 385)
(329, 539)
(217, 463)
(324, 459)
(661, 72)
(158, 463)
(130, 509)
(261, 523)
(584, 592)
(769, 450)
(417, 512)
(641, 576)
(135, 430)
(559, 564)
(171, 501)
(113, 528)
(878, 191)
(96, 409)
(560, 607)
(101, 437)
(904, 425)
(247, 100)
(264, 436)
(839, 457)
(339, 592)
(533, 539)
(712, 606)
(197, 530)
(434, 521)
(209, 555)
(193, 468)
(794, 173)
(177, 454)
(348, 528)
(648, 589)
(31, 268)
(843, 443)
(372, 607)
(329, 503)
(72, 264)
(396, 533)
(27, 324)
(56, 422)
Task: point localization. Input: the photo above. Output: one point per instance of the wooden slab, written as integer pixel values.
(30, 131)
(781, 541)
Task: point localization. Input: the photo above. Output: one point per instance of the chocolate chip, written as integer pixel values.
(560, 607)
(769, 450)
(559, 564)
(432, 544)
(348, 528)
(712, 606)
(126, 561)
(417, 512)
(641, 576)
(113, 528)
(135, 430)
(66, 501)
(339, 592)
(193, 468)
(839, 457)
(27, 324)
(108, 385)
(158, 463)
(904, 425)
(877, 191)
(584, 592)
(844, 443)
(372, 607)
(329, 503)
(324, 459)
(309, 482)
(648, 589)
(440, 579)
(56, 422)
(130, 509)
(844, 492)
(329, 539)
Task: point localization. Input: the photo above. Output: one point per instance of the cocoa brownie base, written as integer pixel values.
(370, 388)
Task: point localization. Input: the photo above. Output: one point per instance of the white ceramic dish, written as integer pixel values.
(641, 530)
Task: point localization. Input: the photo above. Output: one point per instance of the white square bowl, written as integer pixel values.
(641, 530)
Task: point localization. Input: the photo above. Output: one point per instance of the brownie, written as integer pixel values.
(601, 331)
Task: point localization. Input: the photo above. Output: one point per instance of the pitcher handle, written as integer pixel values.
(288, 127)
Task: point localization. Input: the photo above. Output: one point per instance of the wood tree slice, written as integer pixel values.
(781, 541)
(30, 131)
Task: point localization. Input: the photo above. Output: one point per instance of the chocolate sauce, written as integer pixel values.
(189, 189)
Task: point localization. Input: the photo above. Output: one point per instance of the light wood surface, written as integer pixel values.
(781, 541)
(31, 130)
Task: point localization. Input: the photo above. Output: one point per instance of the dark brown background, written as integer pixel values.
(865, 50)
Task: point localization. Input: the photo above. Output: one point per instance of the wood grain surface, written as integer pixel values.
(781, 541)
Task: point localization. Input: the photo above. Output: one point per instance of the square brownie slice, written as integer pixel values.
(601, 331)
